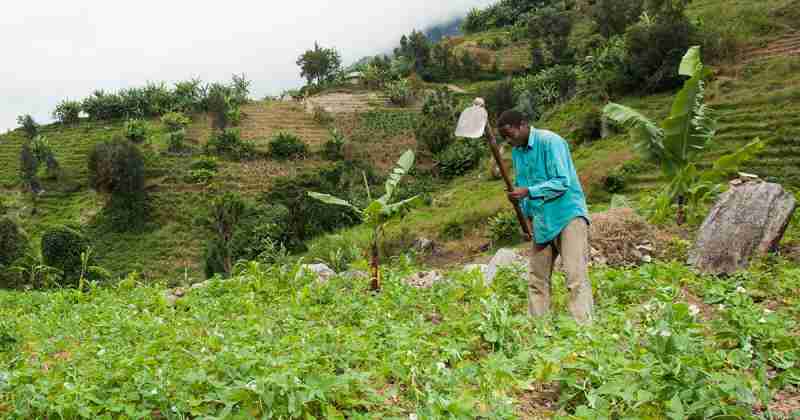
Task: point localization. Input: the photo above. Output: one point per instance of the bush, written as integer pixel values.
(459, 158)
(654, 52)
(604, 71)
(29, 126)
(175, 121)
(590, 126)
(199, 176)
(400, 93)
(504, 227)
(244, 231)
(208, 163)
(536, 93)
(332, 149)
(116, 167)
(615, 182)
(229, 143)
(612, 17)
(499, 97)
(176, 141)
(61, 248)
(287, 146)
(68, 112)
(13, 242)
(436, 127)
(136, 130)
(28, 167)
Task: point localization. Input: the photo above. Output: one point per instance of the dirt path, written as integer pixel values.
(786, 45)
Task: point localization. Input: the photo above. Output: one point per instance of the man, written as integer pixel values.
(550, 193)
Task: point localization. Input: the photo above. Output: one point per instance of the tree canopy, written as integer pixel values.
(319, 65)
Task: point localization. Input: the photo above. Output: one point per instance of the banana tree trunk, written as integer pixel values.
(375, 272)
(680, 217)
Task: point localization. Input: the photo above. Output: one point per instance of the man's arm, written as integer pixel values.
(557, 158)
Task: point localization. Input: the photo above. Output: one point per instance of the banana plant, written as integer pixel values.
(677, 142)
(379, 211)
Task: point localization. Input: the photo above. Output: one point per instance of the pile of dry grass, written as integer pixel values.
(621, 237)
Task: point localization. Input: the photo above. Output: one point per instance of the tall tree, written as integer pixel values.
(319, 65)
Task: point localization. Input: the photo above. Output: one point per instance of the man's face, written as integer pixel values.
(514, 134)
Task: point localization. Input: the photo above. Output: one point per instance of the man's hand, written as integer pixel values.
(517, 194)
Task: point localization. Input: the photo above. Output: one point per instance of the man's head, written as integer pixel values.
(514, 126)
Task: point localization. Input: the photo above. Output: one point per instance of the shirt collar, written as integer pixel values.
(531, 140)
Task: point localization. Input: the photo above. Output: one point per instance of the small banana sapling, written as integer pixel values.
(379, 211)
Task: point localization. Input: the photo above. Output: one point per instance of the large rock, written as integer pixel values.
(504, 258)
(747, 220)
(321, 271)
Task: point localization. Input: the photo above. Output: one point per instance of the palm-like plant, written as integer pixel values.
(379, 211)
(677, 142)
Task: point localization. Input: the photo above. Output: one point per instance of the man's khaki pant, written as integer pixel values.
(572, 244)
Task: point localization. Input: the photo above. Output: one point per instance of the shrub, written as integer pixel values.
(175, 121)
(615, 182)
(504, 227)
(437, 124)
(136, 130)
(287, 146)
(116, 167)
(459, 158)
(452, 230)
(604, 71)
(654, 52)
(499, 97)
(61, 248)
(200, 176)
(590, 126)
(537, 92)
(28, 167)
(208, 163)
(29, 125)
(332, 149)
(68, 112)
(400, 92)
(13, 242)
(229, 143)
(612, 17)
(176, 141)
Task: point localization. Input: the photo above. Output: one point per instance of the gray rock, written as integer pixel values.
(355, 274)
(424, 279)
(504, 258)
(424, 245)
(170, 298)
(321, 271)
(749, 219)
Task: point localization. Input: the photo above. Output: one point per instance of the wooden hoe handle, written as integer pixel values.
(523, 221)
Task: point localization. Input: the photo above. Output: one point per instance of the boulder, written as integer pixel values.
(321, 271)
(424, 245)
(424, 279)
(749, 219)
(504, 258)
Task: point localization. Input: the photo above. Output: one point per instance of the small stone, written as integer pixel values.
(424, 279)
(179, 292)
(424, 245)
(647, 259)
(504, 258)
(322, 271)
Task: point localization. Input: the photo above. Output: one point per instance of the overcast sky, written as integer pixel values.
(66, 49)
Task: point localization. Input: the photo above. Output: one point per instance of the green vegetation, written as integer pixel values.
(117, 168)
(287, 146)
(378, 212)
(62, 248)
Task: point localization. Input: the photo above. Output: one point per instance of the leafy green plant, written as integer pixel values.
(379, 211)
(175, 121)
(286, 145)
(136, 130)
(459, 158)
(229, 143)
(176, 141)
(68, 112)
(62, 247)
(116, 167)
(29, 125)
(437, 124)
(202, 170)
(400, 92)
(13, 246)
(503, 227)
(676, 143)
(333, 148)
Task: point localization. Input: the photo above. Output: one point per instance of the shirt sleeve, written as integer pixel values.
(556, 164)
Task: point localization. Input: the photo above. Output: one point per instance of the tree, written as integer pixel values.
(319, 65)
(379, 211)
(550, 28)
(116, 167)
(29, 125)
(677, 142)
(612, 17)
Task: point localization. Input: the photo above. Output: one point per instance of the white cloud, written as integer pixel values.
(54, 49)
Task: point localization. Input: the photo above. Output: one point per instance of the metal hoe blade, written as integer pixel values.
(473, 121)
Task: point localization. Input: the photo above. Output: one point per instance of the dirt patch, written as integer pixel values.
(786, 403)
(538, 402)
(706, 311)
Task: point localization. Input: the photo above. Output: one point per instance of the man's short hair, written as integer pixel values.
(511, 117)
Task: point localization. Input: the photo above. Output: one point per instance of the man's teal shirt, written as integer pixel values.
(555, 196)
